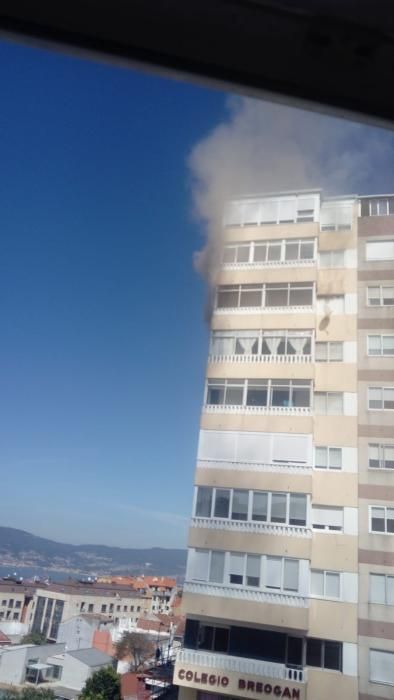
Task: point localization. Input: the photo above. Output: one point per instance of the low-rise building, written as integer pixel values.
(27, 662)
(58, 602)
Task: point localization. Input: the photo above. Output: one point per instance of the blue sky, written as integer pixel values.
(103, 343)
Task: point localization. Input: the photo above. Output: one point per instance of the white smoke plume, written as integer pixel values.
(262, 147)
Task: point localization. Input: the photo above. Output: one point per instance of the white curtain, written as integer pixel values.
(273, 344)
(246, 344)
(298, 344)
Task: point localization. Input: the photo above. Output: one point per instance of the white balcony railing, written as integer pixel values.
(278, 468)
(261, 410)
(264, 359)
(256, 527)
(259, 265)
(308, 309)
(236, 664)
(245, 594)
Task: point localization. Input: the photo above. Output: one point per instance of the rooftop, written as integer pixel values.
(91, 657)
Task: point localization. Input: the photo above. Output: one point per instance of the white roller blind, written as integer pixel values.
(253, 447)
(217, 567)
(197, 565)
(237, 562)
(290, 575)
(287, 210)
(290, 448)
(377, 588)
(217, 444)
(251, 211)
(326, 515)
(380, 250)
(233, 214)
(269, 210)
(273, 572)
(381, 666)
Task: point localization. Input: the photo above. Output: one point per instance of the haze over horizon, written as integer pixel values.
(111, 180)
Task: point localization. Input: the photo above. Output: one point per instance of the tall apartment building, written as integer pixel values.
(289, 588)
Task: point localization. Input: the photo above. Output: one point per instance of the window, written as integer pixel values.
(269, 251)
(328, 458)
(377, 206)
(332, 258)
(328, 403)
(381, 519)
(329, 304)
(236, 253)
(379, 250)
(265, 295)
(213, 638)
(282, 574)
(381, 666)
(286, 393)
(216, 569)
(336, 215)
(204, 502)
(111, 608)
(275, 210)
(324, 654)
(261, 506)
(325, 584)
(11, 603)
(327, 518)
(381, 456)
(381, 589)
(103, 608)
(227, 343)
(18, 604)
(381, 398)
(4, 602)
(381, 345)
(90, 607)
(15, 616)
(329, 352)
(380, 296)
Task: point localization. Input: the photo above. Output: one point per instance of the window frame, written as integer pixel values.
(381, 446)
(381, 288)
(266, 385)
(327, 395)
(381, 337)
(382, 389)
(262, 288)
(330, 529)
(328, 448)
(385, 519)
(328, 345)
(326, 572)
(379, 240)
(385, 576)
(329, 255)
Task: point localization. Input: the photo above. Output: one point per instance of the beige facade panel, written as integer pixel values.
(335, 552)
(262, 481)
(375, 275)
(257, 370)
(335, 430)
(376, 492)
(264, 321)
(235, 234)
(376, 324)
(330, 620)
(374, 628)
(335, 281)
(336, 327)
(337, 240)
(269, 274)
(334, 489)
(335, 376)
(250, 542)
(327, 685)
(194, 678)
(376, 557)
(376, 431)
(252, 422)
(376, 375)
(230, 609)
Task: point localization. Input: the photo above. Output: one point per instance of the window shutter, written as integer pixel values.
(381, 666)
(273, 573)
(217, 445)
(377, 588)
(380, 250)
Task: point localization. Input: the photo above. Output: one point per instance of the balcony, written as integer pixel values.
(258, 265)
(304, 309)
(265, 359)
(239, 665)
(245, 594)
(255, 527)
(277, 468)
(260, 410)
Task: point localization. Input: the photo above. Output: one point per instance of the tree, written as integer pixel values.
(136, 646)
(102, 685)
(34, 638)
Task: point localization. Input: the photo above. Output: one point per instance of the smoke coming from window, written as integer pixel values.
(262, 147)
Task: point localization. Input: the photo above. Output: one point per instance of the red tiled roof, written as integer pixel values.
(129, 685)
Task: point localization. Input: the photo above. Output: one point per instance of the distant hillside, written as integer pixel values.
(20, 548)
